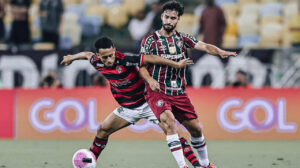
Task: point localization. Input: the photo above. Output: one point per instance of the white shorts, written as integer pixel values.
(134, 115)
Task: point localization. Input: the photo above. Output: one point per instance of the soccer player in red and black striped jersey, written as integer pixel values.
(171, 102)
(127, 87)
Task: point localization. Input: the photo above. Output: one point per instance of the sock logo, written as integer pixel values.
(186, 149)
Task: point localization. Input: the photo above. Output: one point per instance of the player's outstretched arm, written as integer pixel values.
(154, 85)
(213, 50)
(68, 59)
(154, 59)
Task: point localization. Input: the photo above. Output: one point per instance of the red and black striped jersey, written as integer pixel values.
(126, 85)
(172, 81)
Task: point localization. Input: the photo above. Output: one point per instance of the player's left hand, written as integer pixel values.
(185, 62)
(154, 85)
(67, 60)
(226, 54)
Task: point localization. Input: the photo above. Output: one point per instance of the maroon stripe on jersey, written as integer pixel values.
(128, 104)
(173, 71)
(145, 39)
(182, 71)
(189, 42)
(163, 69)
(131, 88)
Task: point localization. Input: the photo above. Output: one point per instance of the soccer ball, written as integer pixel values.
(84, 158)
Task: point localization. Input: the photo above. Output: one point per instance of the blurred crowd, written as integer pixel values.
(64, 24)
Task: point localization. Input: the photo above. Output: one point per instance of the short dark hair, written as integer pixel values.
(103, 43)
(173, 5)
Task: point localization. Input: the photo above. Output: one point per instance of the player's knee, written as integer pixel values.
(102, 132)
(196, 132)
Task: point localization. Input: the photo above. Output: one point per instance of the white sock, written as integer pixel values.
(176, 149)
(200, 145)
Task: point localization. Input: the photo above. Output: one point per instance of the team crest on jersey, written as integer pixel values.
(119, 69)
(159, 103)
(179, 44)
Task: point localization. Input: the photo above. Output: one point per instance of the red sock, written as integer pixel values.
(98, 146)
(189, 153)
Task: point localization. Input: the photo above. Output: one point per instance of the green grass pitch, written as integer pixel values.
(148, 154)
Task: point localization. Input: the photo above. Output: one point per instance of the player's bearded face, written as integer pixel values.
(107, 56)
(169, 20)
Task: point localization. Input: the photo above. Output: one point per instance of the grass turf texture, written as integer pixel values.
(148, 154)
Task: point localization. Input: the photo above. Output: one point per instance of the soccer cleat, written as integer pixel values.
(209, 166)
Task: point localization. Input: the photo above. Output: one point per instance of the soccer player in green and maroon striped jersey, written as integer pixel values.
(171, 101)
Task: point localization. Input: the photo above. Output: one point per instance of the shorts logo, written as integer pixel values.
(160, 103)
(120, 109)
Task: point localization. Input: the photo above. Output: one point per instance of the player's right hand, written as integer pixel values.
(185, 62)
(66, 60)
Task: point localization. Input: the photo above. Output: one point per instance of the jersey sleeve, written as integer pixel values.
(146, 45)
(189, 41)
(133, 59)
(92, 59)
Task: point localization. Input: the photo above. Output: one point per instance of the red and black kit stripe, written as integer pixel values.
(126, 85)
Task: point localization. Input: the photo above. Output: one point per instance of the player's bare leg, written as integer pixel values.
(198, 141)
(168, 122)
(111, 124)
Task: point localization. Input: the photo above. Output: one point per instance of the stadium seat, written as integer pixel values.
(72, 32)
(117, 17)
(248, 25)
(230, 9)
(231, 27)
(243, 2)
(286, 36)
(289, 10)
(250, 8)
(91, 25)
(70, 2)
(229, 41)
(187, 24)
(271, 9)
(78, 9)
(133, 7)
(90, 2)
(224, 2)
(111, 3)
(97, 10)
(44, 46)
(248, 41)
(3, 46)
(70, 18)
(271, 35)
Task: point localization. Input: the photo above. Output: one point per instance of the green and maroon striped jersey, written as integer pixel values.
(172, 81)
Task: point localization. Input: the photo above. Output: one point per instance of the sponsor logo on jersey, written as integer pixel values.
(132, 64)
(100, 65)
(170, 56)
(121, 83)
